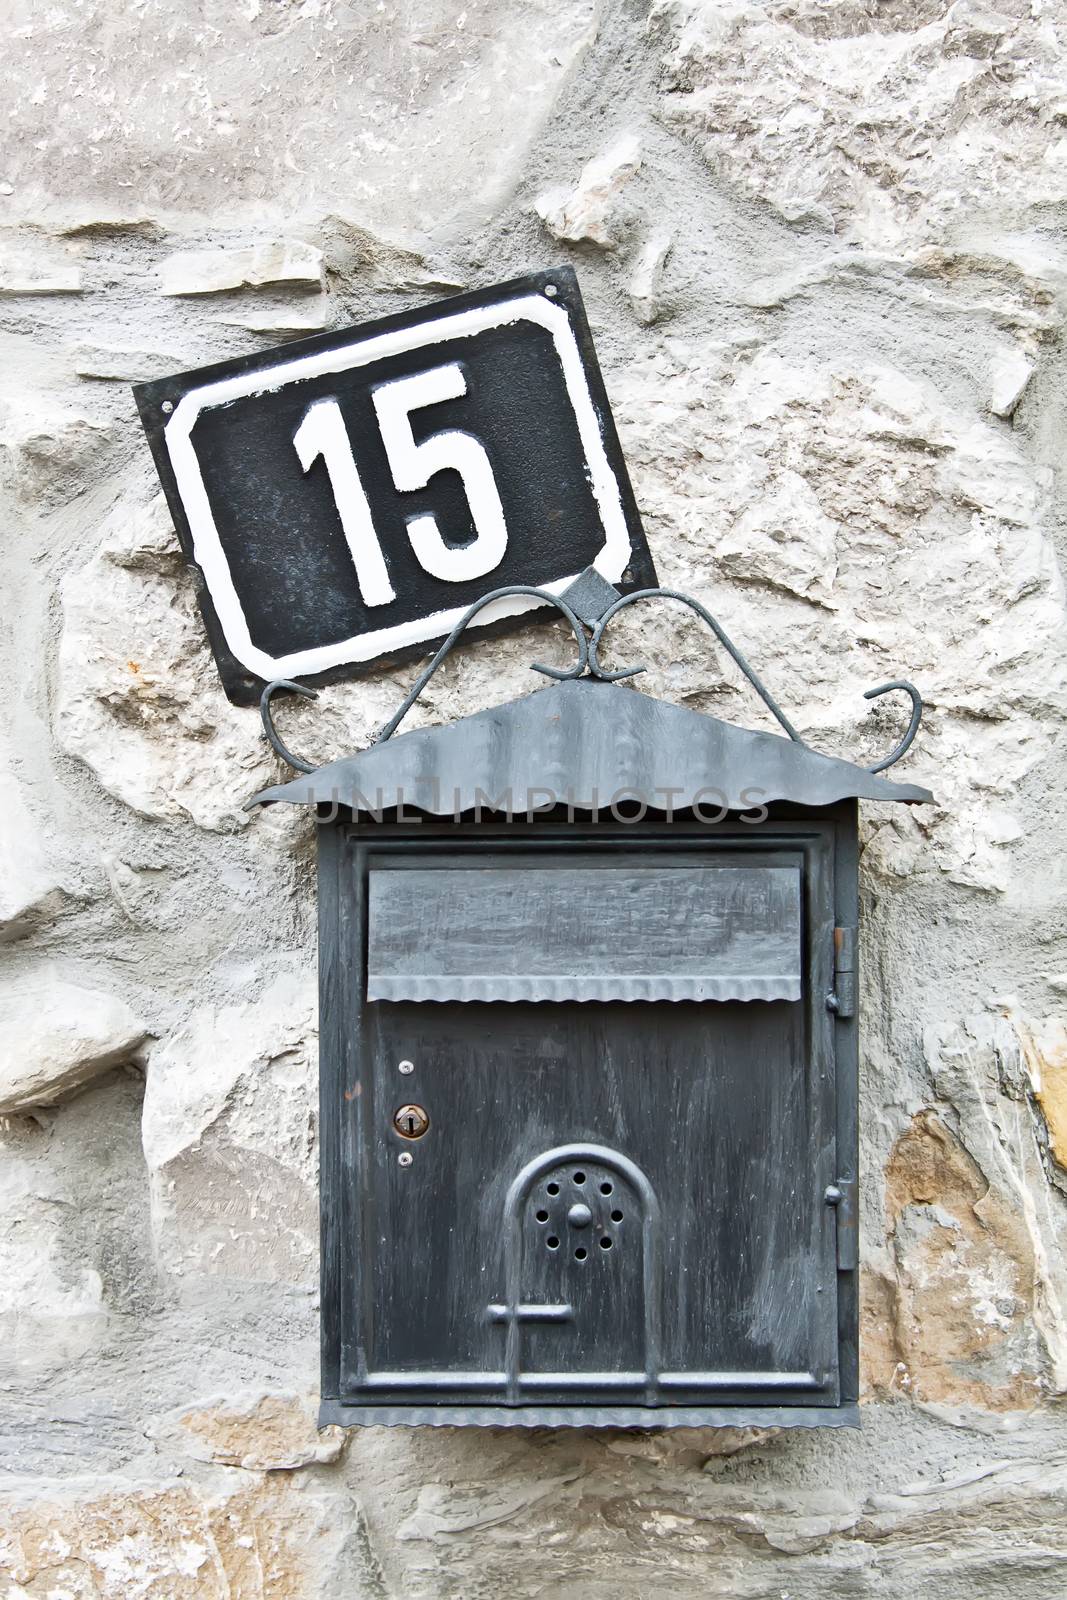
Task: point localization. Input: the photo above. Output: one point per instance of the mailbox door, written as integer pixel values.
(625, 1059)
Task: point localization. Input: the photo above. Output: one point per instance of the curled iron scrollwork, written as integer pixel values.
(288, 686)
(588, 659)
(747, 669)
(913, 726)
(717, 629)
(390, 727)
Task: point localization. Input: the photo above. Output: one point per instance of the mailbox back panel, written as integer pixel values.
(618, 1204)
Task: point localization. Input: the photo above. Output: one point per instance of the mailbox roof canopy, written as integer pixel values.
(585, 743)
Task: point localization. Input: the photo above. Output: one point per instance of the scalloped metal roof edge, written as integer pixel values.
(579, 989)
(846, 1415)
(578, 739)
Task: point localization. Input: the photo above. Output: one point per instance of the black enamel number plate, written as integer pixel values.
(346, 498)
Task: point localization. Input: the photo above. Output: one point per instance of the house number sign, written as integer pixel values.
(346, 498)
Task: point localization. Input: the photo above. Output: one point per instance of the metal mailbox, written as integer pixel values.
(589, 1066)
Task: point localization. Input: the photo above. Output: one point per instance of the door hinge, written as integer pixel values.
(842, 998)
(843, 1196)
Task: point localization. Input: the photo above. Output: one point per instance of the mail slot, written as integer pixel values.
(589, 1074)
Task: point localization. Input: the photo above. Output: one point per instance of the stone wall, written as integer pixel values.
(822, 247)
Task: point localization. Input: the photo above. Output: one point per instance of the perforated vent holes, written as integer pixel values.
(579, 1212)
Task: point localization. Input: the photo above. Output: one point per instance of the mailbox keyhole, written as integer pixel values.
(411, 1121)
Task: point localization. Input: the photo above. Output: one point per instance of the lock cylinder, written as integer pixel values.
(411, 1121)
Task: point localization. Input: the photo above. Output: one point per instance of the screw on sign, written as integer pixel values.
(346, 499)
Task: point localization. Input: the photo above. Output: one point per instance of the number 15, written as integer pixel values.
(322, 432)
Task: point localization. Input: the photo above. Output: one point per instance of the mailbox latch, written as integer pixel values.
(842, 998)
(843, 1196)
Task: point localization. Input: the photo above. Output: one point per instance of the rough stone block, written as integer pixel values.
(142, 706)
(32, 890)
(57, 1036)
(591, 212)
(883, 127)
(292, 261)
(262, 1432)
(229, 1138)
(30, 265)
(243, 1539)
(644, 288)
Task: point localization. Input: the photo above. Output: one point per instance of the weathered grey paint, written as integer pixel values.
(714, 1123)
(587, 745)
(583, 929)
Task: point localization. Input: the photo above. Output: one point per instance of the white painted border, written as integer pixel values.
(208, 553)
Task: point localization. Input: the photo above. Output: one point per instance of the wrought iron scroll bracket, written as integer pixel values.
(720, 633)
(748, 670)
(390, 727)
(913, 726)
(287, 686)
(587, 660)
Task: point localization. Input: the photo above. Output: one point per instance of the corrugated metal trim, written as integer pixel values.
(655, 987)
(649, 1417)
(583, 741)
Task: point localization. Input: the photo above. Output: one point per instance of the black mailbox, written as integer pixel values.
(588, 1068)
